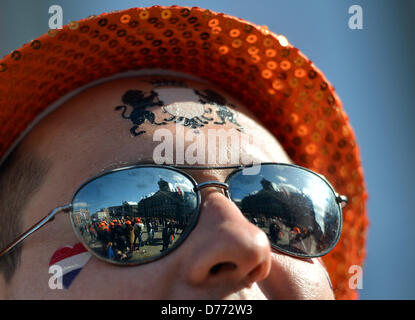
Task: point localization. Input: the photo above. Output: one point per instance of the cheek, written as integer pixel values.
(292, 278)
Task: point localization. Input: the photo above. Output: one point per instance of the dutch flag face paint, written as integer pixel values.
(70, 260)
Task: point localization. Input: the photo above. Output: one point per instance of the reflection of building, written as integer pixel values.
(101, 215)
(81, 215)
(167, 203)
(126, 209)
(294, 207)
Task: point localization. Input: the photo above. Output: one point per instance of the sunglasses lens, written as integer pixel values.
(296, 208)
(135, 215)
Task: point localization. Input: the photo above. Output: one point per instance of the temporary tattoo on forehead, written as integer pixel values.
(139, 102)
(223, 112)
(71, 260)
(157, 83)
(196, 113)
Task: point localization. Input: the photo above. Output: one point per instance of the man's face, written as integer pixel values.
(114, 125)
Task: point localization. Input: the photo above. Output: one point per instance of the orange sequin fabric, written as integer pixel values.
(287, 92)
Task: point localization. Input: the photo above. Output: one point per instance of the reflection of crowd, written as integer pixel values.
(120, 238)
(284, 232)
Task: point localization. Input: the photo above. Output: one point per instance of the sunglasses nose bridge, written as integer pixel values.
(216, 184)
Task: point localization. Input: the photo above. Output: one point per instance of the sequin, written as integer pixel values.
(185, 12)
(213, 23)
(165, 14)
(36, 44)
(223, 50)
(311, 148)
(121, 33)
(293, 82)
(141, 31)
(285, 52)
(266, 74)
(345, 131)
(297, 141)
(317, 163)
(52, 32)
(343, 171)
(335, 124)
(264, 29)
(253, 50)
(229, 24)
(320, 124)
(318, 95)
(84, 29)
(312, 74)
(234, 33)
(298, 61)
(298, 106)
(342, 143)
(251, 38)
(248, 28)
(314, 106)
(316, 137)
(16, 55)
(350, 188)
(125, 18)
(282, 40)
(236, 43)
(267, 42)
(294, 118)
(3, 67)
(270, 53)
(255, 58)
(272, 65)
(285, 65)
(216, 30)
(299, 73)
(309, 84)
(144, 15)
(73, 25)
(207, 14)
(278, 84)
(302, 130)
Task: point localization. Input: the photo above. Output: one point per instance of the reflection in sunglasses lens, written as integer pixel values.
(134, 215)
(295, 208)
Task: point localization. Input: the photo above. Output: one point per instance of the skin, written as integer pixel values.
(85, 137)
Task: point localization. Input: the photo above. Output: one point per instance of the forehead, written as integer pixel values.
(152, 119)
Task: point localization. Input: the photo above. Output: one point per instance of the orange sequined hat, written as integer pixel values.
(287, 92)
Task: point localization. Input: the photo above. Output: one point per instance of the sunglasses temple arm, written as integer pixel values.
(35, 227)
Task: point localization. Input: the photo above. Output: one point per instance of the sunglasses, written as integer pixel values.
(138, 214)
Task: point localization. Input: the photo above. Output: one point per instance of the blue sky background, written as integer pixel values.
(373, 72)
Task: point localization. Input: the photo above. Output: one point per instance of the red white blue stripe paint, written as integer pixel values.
(71, 260)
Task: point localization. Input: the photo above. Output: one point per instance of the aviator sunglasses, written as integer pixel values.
(138, 214)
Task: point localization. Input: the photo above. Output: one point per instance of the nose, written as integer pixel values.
(227, 251)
